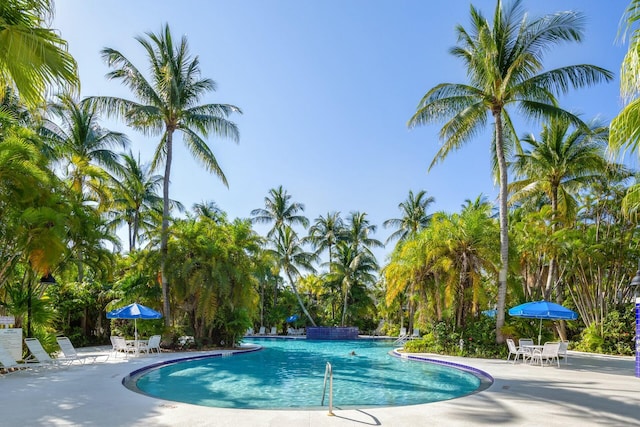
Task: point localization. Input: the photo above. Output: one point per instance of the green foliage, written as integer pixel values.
(616, 336)
(477, 339)
(213, 278)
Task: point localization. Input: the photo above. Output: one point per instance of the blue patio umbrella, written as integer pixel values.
(134, 311)
(543, 310)
(292, 318)
(490, 313)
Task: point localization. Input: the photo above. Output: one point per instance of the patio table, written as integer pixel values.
(532, 349)
(137, 344)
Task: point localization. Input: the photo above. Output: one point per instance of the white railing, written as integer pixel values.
(328, 373)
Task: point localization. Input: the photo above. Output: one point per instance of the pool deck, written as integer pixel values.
(591, 390)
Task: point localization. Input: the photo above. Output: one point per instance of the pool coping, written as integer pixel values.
(129, 381)
(486, 379)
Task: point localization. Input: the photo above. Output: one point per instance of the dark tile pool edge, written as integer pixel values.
(486, 379)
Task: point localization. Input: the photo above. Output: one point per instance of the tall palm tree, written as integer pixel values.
(560, 164)
(32, 56)
(279, 210)
(414, 216)
(504, 62)
(357, 237)
(350, 269)
(169, 103)
(288, 250)
(326, 232)
(414, 219)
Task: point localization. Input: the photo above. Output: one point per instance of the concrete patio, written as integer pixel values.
(591, 390)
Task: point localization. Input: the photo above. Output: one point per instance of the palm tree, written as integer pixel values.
(84, 146)
(350, 269)
(358, 232)
(414, 219)
(559, 165)
(288, 250)
(357, 237)
(135, 198)
(32, 56)
(326, 232)
(624, 127)
(459, 253)
(504, 65)
(209, 210)
(280, 210)
(168, 103)
(414, 216)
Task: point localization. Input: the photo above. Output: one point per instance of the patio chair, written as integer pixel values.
(415, 334)
(249, 332)
(517, 351)
(525, 342)
(152, 344)
(262, 330)
(69, 353)
(38, 353)
(562, 351)
(274, 331)
(547, 354)
(7, 362)
(120, 346)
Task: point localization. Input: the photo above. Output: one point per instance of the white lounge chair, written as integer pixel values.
(517, 351)
(249, 332)
(547, 354)
(262, 330)
(7, 362)
(415, 334)
(38, 353)
(69, 353)
(274, 331)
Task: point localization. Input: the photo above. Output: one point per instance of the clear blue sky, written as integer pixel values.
(326, 88)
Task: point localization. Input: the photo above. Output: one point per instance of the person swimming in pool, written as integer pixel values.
(353, 353)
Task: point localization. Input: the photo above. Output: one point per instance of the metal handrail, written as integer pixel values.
(328, 372)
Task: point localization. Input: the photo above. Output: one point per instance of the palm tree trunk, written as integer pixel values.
(295, 291)
(344, 307)
(504, 228)
(552, 261)
(165, 231)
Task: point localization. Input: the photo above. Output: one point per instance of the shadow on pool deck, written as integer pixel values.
(592, 390)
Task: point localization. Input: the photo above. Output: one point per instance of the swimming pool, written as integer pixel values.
(289, 374)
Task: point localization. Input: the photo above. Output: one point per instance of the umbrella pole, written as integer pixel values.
(135, 330)
(540, 332)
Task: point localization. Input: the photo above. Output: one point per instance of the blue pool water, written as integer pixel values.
(290, 374)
